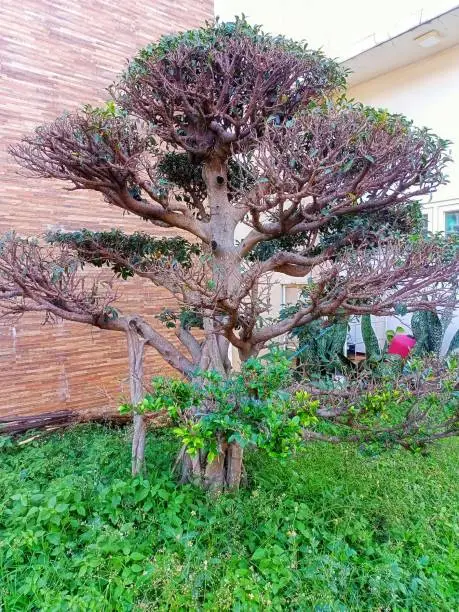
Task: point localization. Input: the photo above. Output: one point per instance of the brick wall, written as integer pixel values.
(56, 55)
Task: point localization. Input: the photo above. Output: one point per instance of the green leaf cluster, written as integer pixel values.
(212, 36)
(185, 172)
(251, 407)
(139, 250)
(187, 318)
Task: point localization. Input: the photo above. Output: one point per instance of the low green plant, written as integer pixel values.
(320, 346)
(263, 407)
(370, 339)
(331, 529)
(410, 407)
(321, 354)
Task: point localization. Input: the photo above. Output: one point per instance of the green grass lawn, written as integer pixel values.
(331, 529)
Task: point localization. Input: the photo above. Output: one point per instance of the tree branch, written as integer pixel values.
(190, 343)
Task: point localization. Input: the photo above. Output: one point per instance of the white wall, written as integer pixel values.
(427, 92)
(341, 29)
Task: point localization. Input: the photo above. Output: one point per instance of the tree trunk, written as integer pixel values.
(135, 351)
(214, 472)
(234, 466)
(224, 471)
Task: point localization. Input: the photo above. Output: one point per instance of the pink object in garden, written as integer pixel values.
(401, 345)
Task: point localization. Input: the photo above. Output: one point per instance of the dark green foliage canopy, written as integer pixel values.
(125, 252)
(183, 171)
(376, 226)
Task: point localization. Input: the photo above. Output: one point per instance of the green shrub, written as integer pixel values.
(410, 404)
(252, 407)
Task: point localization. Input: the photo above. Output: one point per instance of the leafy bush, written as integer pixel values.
(252, 407)
(409, 404)
(330, 529)
(320, 352)
(321, 347)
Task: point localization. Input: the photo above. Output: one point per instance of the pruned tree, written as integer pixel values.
(226, 125)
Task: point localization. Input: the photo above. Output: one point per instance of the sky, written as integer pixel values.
(339, 27)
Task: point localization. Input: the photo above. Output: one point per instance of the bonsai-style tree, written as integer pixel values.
(226, 127)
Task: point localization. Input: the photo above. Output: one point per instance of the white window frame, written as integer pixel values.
(445, 212)
(429, 212)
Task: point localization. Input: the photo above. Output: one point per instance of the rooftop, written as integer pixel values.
(423, 35)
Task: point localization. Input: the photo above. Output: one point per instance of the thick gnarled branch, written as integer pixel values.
(105, 151)
(397, 275)
(36, 278)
